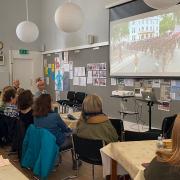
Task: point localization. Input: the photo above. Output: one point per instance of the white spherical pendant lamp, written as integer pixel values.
(69, 17)
(27, 31)
(161, 4)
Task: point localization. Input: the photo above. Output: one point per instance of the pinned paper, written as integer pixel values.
(89, 80)
(70, 65)
(82, 81)
(70, 74)
(45, 62)
(113, 81)
(52, 67)
(49, 72)
(53, 76)
(46, 70)
(47, 80)
(156, 83)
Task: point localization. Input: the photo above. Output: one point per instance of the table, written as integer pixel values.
(71, 123)
(10, 172)
(128, 157)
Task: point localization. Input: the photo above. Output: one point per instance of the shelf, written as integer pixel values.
(117, 96)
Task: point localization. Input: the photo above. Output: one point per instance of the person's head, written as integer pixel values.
(92, 105)
(173, 157)
(16, 83)
(42, 105)
(9, 96)
(19, 91)
(25, 100)
(41, 85)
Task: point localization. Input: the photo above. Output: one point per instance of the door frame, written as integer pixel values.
(37, 60)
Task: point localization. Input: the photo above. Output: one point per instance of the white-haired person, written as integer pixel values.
(41, 87)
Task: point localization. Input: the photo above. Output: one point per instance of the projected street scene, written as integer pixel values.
(146, 46)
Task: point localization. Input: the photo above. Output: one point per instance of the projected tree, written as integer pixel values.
(167, 23)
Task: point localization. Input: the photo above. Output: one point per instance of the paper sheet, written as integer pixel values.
(76, 81)
(47, 80)
(82, 81)
(102, 82)
(4, 162)
(70, 65)
(113, 81)
(156, 83)
(66, 67)
(90, 74)
(129, 82)
(45, 62)
(89, 80)
(70, 74)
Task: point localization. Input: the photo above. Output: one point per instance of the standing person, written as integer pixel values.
(166, 164)
(16, 84)
(93, 123)
(41, 88)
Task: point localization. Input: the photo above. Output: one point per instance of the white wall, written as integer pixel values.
(96, 22)
(13, 12)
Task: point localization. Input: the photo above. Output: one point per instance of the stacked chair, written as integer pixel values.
(73, 100)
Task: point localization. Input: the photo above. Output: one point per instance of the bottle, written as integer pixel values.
(160, 142)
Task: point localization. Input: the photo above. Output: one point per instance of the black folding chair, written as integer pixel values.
(167, 126)
(69, 101)
(119, 127)
(87, 150)
(79, 98)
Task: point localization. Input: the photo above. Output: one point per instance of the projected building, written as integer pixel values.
(144, 28)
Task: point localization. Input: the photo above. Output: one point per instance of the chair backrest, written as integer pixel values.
(167, 126)
(79, 97)
(140, 136)
(35, 154)
(71, 95)
(119, 127)
(88, 150)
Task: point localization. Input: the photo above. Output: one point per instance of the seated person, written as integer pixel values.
(24, 103)
(93, 123)
(166, 164)
(9, 100)
(41, 88)
(16, 84)
(44, 117)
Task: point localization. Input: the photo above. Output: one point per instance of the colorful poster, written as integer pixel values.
(58, 74)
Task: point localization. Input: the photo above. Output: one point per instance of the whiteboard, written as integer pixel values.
(4, 79)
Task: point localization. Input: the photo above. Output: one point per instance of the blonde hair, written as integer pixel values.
(172, 157)
(91, 106)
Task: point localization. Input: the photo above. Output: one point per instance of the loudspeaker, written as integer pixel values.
(91, 39)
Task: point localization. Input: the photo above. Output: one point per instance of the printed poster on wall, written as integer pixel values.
(58, 74)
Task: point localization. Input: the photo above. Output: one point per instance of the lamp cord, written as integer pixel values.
(27, 13)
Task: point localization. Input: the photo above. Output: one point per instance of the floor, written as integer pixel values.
(64, 169)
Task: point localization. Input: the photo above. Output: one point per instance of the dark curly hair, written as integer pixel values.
(25, 100)
(8, 94)
(42, 105)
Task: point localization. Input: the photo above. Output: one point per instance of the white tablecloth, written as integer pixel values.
(129, 156)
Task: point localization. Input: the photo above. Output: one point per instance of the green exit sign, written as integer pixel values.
(23, 51)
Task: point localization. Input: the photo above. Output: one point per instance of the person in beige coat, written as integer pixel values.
(93, 123)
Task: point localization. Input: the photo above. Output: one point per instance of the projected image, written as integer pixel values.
(147, 46)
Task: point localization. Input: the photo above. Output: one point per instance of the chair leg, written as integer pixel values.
(93, 171)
